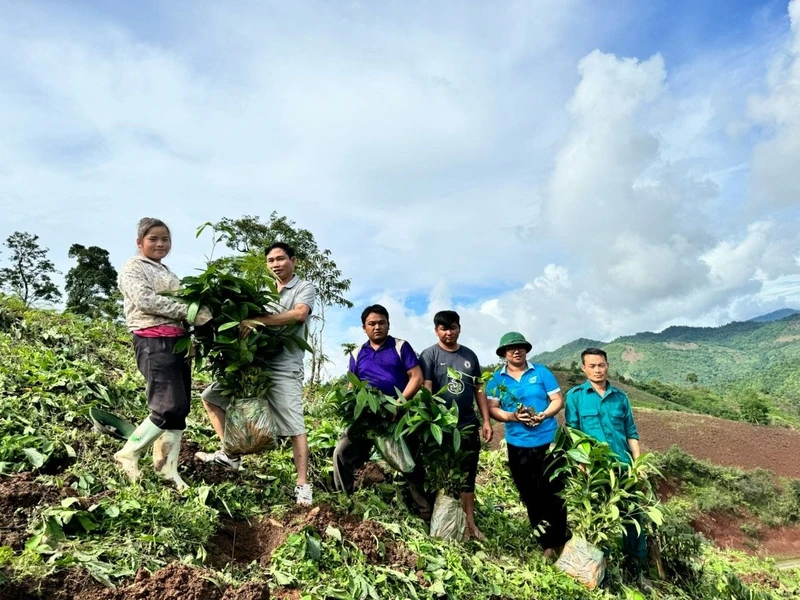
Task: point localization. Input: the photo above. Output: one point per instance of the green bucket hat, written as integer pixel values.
(512, 338)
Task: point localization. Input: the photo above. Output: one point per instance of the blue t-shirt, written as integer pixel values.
(532, 390)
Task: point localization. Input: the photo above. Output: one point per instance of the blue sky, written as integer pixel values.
(565, 168)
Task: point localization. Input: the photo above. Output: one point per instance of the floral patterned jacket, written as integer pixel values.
(140, 282)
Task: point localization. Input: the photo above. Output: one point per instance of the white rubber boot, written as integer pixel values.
(141, 439)
(165, 457)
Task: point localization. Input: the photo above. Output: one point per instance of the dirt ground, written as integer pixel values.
(196, 469)
(173, 582)
(725, 530)
(243, 542)
(727, 443)
(722, 442)
(20, 495)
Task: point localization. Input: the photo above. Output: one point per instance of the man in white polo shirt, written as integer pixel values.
(285, 399)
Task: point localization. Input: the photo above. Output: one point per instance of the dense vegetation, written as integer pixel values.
(88, 517)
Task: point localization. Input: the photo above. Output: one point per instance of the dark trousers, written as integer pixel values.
(531, 470)
(634, 543)
(352, 453)
(471, 444)
(169, 380)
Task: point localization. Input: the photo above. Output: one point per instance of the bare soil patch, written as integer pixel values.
(173, 582)
(197, 469)
(20, 495)
(787, 338)
(370, 474)
(243, 542)
(726, 530)
(722, 442)
(631, 356)
(253, 590)
(667, 488)
(681, 345)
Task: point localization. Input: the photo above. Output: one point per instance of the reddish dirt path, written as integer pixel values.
(722, 442)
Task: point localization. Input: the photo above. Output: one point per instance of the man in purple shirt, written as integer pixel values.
(388, 364)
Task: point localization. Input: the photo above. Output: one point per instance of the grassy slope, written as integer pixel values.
(52, 368)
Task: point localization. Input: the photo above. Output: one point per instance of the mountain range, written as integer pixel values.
(763, 353)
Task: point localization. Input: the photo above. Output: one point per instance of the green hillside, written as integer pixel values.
(638, 397)
(568, 353)
(727, 359)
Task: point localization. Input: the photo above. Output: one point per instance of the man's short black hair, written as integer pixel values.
(375, 308)
(594, 352)
(446, 319)
(283, 246)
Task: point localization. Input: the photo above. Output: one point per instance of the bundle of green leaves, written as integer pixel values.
(234, 292)
(602, 494)
(428, 417)
(366, 411)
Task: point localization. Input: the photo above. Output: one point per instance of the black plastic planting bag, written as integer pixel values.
(249, 427)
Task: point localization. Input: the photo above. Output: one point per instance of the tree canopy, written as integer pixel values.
(29, 275)
(91, 285)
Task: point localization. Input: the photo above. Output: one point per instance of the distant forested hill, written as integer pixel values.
(761, 355)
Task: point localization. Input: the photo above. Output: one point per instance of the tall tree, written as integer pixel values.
(92, 283)
(29, 274)
(249, 234)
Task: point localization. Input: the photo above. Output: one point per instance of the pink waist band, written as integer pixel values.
(160, 331)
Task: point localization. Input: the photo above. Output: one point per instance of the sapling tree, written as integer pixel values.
(602, 494)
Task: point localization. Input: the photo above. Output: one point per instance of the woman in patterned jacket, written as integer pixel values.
(157, 324)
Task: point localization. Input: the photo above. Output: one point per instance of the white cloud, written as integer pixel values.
(436, 148)
(776, 178)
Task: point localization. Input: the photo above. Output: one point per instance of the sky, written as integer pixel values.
(562, 168)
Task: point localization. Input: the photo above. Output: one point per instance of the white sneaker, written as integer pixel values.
(304, 494)
(220, 458)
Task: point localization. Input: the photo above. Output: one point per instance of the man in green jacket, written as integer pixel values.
(603, 411)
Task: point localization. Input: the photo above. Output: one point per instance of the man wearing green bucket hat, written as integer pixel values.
(527, 398)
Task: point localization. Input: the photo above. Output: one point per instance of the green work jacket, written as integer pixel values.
(608, 419)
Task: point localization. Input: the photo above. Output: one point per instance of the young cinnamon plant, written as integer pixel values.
(240, 364)
(602, 494)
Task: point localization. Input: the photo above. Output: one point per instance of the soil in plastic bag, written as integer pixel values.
(249, 427)
(583, 561)
(448, 521)
(395, 453)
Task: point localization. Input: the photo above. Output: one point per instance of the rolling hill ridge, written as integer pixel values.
(762, 355)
